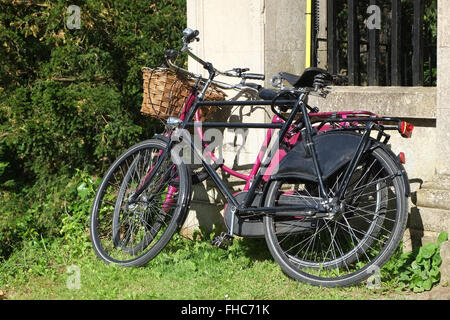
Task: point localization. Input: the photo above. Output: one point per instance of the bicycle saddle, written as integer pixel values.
(270, 94)
(307, 78)
(267, 94)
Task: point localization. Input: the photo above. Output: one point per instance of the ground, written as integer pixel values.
(184, 270)
(437, 293)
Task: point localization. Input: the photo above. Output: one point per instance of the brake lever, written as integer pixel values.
(240, 71)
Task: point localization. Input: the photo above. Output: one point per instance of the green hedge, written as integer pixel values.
(70, 99)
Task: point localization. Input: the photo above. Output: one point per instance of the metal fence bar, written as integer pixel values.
(353, 43)
(373, 60)
(332, 45)
(396, 43)
(418, 48)
(398, 54)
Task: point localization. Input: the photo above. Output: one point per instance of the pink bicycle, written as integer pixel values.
(329, 197)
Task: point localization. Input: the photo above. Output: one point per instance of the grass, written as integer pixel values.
(184, 270)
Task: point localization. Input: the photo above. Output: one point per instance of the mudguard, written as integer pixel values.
(161, 137)
(334, 150)
(399, 165)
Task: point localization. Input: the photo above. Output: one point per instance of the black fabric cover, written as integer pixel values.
(333, 149)
(268, 94)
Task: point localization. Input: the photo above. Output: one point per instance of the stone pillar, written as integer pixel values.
(268, 36)
(432, 214)
(284, 38)
(436, 193)
(284, 46)
(231, 36)
(443, 87)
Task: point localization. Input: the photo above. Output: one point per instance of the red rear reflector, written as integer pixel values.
(402, 158)
(405, 129)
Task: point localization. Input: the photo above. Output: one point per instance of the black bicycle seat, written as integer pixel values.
(307, 78)
(289, 77)
(267, 94)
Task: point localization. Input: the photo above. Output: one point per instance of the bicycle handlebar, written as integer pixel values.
(253, 76)
(253, 89)
(190, 35)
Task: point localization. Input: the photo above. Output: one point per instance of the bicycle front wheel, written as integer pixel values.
(349, 246)
(131, 233)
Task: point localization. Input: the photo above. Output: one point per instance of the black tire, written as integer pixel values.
(345, 249)
(131, 234)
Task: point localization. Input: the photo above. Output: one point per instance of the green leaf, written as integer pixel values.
(416, 280)
(3, 166)
(443, 236)
(419, 257)
(404, 277)
(435, 275)
(424, 275)
(406, 256)
(428, 250)
(418, 289)
(437, 260)
(427, 284)
(427, 265)
(82, 190)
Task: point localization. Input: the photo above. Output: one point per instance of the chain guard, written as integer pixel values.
(253, 227)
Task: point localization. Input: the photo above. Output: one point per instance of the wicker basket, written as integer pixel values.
(166, 91)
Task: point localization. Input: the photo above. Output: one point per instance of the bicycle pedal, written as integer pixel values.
(222, 241)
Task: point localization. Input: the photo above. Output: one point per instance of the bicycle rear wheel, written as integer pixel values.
(346, 248)
(131, 233)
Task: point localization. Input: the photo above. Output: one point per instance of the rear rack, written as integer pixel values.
(357, 120)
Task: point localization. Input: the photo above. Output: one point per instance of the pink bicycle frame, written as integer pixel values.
(280, 153)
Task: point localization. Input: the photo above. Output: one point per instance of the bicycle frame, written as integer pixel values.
(256, 176)
(247, 178)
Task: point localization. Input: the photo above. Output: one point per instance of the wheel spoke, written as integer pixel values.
(343, 242)
(125, 231)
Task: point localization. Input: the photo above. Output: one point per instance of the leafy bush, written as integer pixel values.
(36, 212)
(56, 127)
(70, 99)
(74, 230)
(418, 270)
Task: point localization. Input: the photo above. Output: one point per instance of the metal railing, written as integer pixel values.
(400, 50)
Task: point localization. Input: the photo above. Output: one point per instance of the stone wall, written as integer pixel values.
(231, 35)
(414, 104)
(268, 36)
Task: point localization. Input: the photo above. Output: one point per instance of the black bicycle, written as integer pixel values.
(330, 198)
